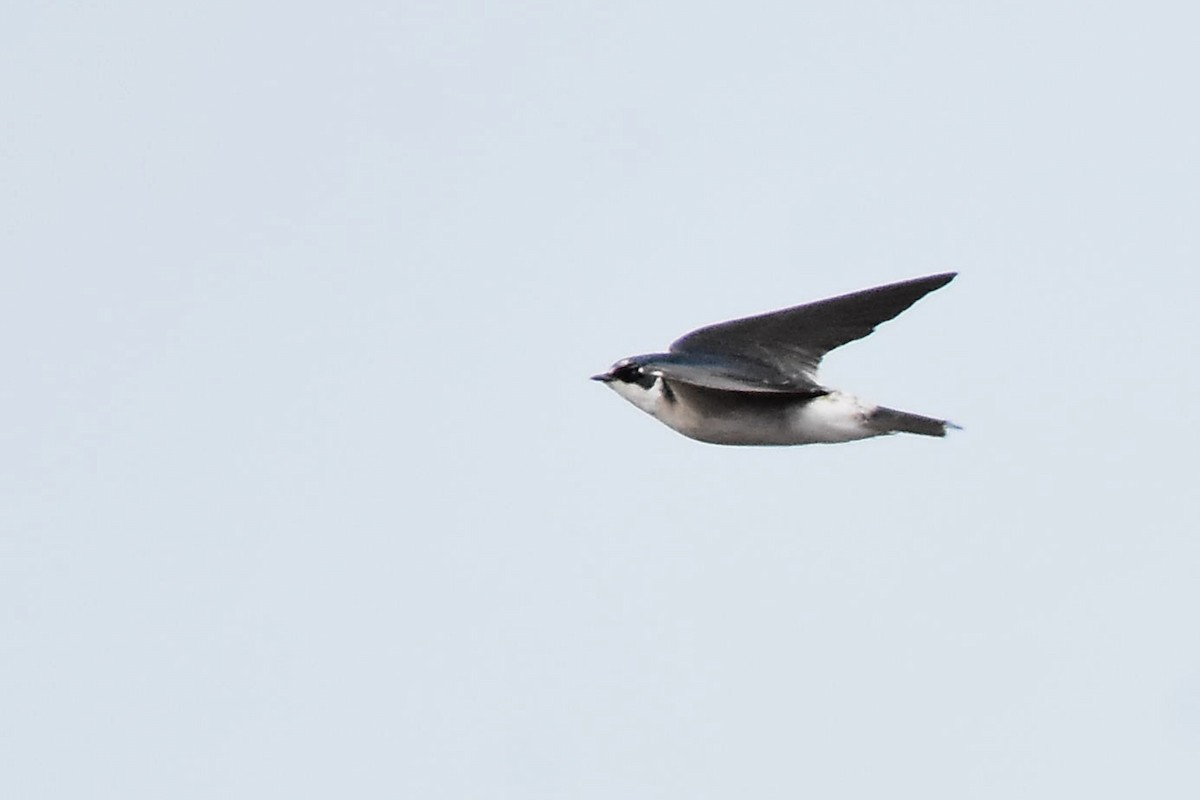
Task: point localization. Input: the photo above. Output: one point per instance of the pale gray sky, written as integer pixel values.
(307, 494)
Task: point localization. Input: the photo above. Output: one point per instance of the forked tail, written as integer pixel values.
(889, 420)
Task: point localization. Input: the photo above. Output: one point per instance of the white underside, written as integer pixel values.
(835, 417)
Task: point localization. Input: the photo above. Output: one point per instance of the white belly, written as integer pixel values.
(835, 417)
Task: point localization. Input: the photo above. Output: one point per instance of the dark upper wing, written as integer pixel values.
(792, 342)
(729, 373)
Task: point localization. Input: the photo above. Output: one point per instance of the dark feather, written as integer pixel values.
(789, 344)
(722, 372)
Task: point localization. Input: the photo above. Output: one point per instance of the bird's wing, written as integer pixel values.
(792, 342)
(728, 373)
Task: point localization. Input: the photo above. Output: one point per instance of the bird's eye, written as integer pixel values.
(632, 373)
(627, 373)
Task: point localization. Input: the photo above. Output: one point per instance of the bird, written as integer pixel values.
(753, 381)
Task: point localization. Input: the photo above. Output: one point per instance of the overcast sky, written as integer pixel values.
(306, 492)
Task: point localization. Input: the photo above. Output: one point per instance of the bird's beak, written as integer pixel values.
(603, 376)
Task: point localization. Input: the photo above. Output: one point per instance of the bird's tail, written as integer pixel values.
(889, 420)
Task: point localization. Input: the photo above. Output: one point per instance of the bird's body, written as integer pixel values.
(753, 381)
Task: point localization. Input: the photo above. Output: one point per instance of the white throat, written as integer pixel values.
(648, 400)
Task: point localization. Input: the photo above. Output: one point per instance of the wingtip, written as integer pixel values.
(925, 283)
